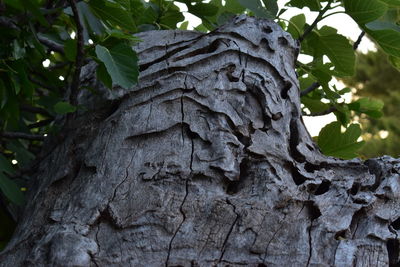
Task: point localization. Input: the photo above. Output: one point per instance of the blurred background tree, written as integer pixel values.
(375, 77)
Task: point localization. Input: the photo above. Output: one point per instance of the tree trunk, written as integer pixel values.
(205, 162)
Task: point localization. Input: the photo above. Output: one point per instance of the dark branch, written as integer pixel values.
(40, 124)
(357, 43)
(325, 112)
(317, 19)
(79, 55)
(8, 23)
(36, 110)
(40, 83)
(312, 87)
(18, 135)
(51, 45)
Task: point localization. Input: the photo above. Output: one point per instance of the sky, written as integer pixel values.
(345, 26)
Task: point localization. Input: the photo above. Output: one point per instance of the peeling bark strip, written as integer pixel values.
(206, 162)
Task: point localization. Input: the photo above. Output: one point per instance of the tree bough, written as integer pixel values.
(205, 162)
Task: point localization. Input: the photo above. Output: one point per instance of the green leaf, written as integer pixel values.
(121, 35)
(389, 40)
(371, 107)
(314, 105)
(256, 7)
(5, 165)
(18, 50)
(121, 63)
(103, 76)
(395, 61)
(333, 142)
(382, 25)
(296, 25)
(184, 25)
(33, 6)
(391, 2)
(11, 190)
(22, 155)
(171, 17)
(313, 5)
(112, 13)
(64, 108)
(203, 9)
(70, 49)
(337, 48)
(271, 6)
(363, 11)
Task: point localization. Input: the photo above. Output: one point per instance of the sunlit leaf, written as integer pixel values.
(333, 142)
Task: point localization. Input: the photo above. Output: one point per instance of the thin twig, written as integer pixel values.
(317, 19)
(325, 112)
(51, 45)
(40, 124)
(8, 23)
(79, 55)
(357, 43)
(311, 88)
(40, 83)
(18, 135)
(37, 110)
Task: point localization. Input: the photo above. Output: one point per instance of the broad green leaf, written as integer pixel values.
(314, 105)
(296, 25)
(121, 63)
(363, 11)
(70, 49)
(22, 155)
(343, 114)
(184, 25)
(113, 14)
(313, 5)
(203, 9)
(371, 107)
(391, 2)
(33, 6)
(382, 25)
(103, 76)
(171, 17)
(271, 6)
(26, 85)
(395, 61)
(11, 190)
(337, 48)
(18, 50)
(389, 40)
(5, 165)
(64, 108)
(333, 142)
(3, 94)
(233, 6)
(256, 7)
(121, 35)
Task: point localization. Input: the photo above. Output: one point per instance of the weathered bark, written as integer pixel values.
(206, 162)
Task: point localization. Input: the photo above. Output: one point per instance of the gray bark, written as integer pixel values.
(205, 162)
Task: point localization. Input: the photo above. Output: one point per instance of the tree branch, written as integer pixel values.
(36, 110)
(79, 55)
(311, 88)
(325, 112)
(357, 43)
(40, 124)
(40, 83)
(51, 45)
(8, 23)
(317, 19)
(18, 135)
